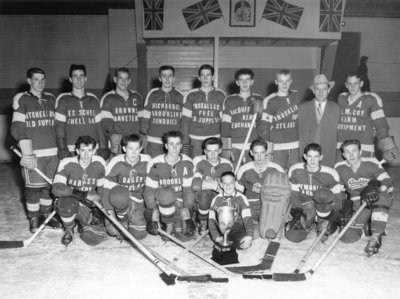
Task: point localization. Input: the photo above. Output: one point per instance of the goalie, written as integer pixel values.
(365, 180)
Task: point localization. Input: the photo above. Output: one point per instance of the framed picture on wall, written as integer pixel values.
(242, 13)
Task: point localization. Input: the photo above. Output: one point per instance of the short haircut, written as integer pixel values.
(210, 141)
(284, 72)
(34, 70)
(122, 70)
(206, 67)
(131, 138)
(353, 74)
(313, 147)
(75, 67)
(350, 142)
(171, 134)
(85, 140)
(164, 68)
(227, 173)
(259, 141)
(244, 72)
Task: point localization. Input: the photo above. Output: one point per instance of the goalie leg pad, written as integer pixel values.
(275, 194)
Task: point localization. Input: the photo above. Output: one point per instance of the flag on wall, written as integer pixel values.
(201, 13)
(330, 15)
(153, 14)
(283, 13)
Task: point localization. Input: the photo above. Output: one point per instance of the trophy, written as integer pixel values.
(225, 253)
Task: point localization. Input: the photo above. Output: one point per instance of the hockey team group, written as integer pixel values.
(169, 162)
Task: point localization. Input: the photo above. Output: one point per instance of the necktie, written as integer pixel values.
(319, 112)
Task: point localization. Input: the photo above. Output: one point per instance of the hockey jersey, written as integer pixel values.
(355, 182)
(358, 119)
(202, 113)
(120, 116)
(244, 217)
(162, 112)
(178, 176)
(204, 170)
(132, 177)
(77, 117)
(304, 183)
(236, 118)
(33, 118)
(279, 121)
(71, 175)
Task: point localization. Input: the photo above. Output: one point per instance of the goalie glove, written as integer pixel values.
(370, 193)
(188, 225)
(389, 148)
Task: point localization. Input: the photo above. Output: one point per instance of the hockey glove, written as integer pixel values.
(389, 148)
(298, 219)
(152, 217)
(82, 197)
(370, 194)
(63, 151)
(28, 161)
(246, 242)
(188, 225)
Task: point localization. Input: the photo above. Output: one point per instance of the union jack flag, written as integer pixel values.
(153, 14)
(201, 13)
(330, 15)
(283, 13)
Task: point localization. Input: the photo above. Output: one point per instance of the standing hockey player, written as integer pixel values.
(306, 179)
(365, 179)
(124, 188)
(318, 120)
(168, 190)
(251, 178)
(121, 110)
(242, 230)
(279, 121)
(237, 116)
(33, 128)
(360, 113)
(78, 114)
(202, 112)
(79, 180)
(207, 171)
(162, 111)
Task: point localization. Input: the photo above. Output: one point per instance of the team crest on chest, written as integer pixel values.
(357, 183)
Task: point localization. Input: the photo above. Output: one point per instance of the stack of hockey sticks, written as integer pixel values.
(25, 243)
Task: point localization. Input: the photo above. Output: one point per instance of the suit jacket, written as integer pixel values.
(308, 127)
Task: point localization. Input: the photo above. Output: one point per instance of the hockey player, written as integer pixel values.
(79, 180)
(78, 114)
(279, 121)
(202, 112)
(237, 116)
(306, 179)
(207, 171)
(251, 177)
(360, 176)
(121, 110)
(162, 111)
(242, 230)
(168, 191)
(360, 113)
(124, 187)
(33, 128)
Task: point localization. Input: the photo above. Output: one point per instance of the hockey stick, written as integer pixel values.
(245, 142)
(310, 250)
(191, 250)
(25, 243)
(309, 273)
(186, 250)
(169, 277)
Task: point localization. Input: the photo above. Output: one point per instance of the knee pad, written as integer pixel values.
(67, 206)
(166, 199)
(203, 199)
(352, 235)
(138, 233)
(32, 195)
(119, 198)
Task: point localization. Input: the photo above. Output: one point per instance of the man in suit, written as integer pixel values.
(318, 120)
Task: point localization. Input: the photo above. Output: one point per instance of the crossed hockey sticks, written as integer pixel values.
(309, 273)
(193, 245)
(25, 243)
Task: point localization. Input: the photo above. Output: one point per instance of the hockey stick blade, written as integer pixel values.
(277, 276)
(25, 243)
